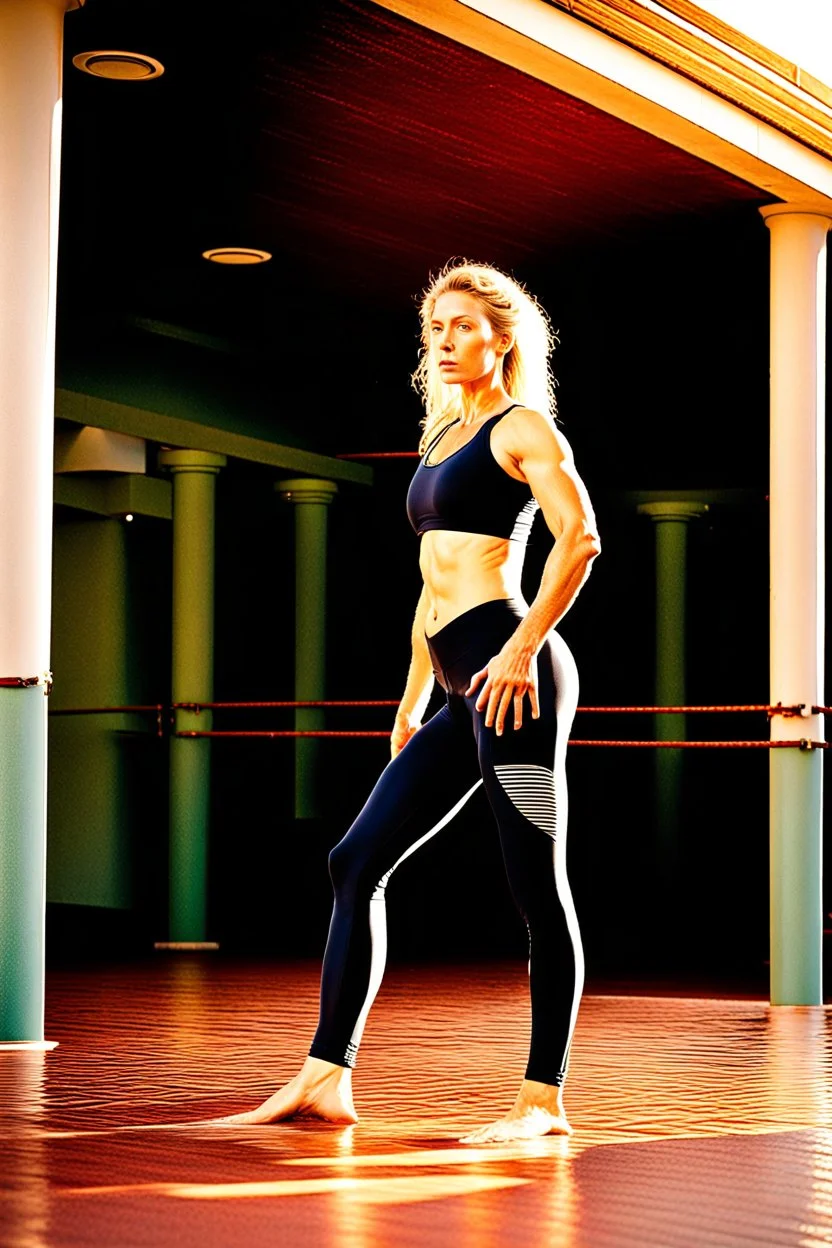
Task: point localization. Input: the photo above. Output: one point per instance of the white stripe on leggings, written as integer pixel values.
(378, 922)
(531, 789)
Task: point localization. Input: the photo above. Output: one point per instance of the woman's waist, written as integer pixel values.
(477, 632)
(476, 572)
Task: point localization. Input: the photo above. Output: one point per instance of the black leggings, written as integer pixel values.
(420, 791)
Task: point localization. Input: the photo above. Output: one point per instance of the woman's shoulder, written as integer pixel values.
(529, 424)
(528, 432)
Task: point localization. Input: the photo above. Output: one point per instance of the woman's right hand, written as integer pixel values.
(403, 729)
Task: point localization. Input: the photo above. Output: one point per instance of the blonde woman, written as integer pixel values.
(492, 456)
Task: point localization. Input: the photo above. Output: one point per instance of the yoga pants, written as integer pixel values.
(418, 793)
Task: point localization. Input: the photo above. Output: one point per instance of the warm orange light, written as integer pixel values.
(125, 66)
(395, 1190)
(237, 255)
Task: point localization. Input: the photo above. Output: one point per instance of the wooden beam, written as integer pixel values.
(125, 494)
(85, 409)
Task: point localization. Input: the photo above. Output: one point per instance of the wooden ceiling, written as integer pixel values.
(358, 147)
(387, 144)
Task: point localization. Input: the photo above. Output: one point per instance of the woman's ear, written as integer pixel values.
(506, 343)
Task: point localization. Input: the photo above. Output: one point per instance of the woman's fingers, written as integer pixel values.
(484, 696)
(503, 701)
(518, 710)
(533, 698)
(475, 680)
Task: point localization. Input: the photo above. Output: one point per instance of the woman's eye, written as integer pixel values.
(464, 325)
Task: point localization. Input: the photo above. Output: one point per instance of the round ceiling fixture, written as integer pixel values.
(237, 255)
(126, 66)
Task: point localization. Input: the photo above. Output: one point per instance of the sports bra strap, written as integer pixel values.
(440, 435)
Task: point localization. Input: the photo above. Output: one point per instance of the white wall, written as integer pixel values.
(800, 30)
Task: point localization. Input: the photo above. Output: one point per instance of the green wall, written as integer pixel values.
(89, 833)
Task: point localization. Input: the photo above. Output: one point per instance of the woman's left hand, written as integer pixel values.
(509, 677)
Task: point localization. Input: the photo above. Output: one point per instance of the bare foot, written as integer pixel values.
(321, 1090)
(537, 1111)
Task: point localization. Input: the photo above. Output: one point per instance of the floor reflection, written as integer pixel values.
(24, 1185)
(696, 1122)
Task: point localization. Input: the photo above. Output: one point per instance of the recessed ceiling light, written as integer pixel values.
(127, 66)
(237, 255)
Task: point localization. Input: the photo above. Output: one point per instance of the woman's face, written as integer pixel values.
(463, 342)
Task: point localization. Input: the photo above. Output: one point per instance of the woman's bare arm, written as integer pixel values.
(544, 458)
(419, 684)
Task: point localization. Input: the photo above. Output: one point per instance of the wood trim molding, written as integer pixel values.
(697, 59)
(749, 47)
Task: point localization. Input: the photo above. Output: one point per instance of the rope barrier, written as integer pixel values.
(286, 704)
(199, 706)
(803, 744)
(323, 732)
(778, 709)
(26, 682)
(381, 455)
(159, 709)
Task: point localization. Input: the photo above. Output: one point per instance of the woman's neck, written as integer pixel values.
(481, 404)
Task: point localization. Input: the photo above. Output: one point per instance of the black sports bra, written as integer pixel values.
(468, 492)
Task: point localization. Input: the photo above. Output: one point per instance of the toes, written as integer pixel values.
(485, 1135)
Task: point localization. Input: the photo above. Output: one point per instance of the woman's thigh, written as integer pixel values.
(418, 792)
(524, 774)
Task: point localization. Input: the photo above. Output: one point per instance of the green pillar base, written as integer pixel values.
(22, 863)
(796, 811)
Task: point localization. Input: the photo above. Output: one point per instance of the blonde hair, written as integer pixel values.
(526, 372)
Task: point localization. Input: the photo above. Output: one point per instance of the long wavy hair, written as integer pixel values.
(526, 370)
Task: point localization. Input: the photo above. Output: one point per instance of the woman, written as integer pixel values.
(492, 456)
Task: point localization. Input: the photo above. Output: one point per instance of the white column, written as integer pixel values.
(798, 324)
(31, 43)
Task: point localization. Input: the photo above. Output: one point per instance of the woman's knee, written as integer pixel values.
(350, 867)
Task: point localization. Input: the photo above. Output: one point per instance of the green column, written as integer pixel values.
(670, 522)
(192, 680)
(796, 897)
(311, 499)
(22, 863)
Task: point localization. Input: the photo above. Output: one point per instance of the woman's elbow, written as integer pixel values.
(586, 545)
(592, 544)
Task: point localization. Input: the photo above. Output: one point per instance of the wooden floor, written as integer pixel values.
(696, 1121)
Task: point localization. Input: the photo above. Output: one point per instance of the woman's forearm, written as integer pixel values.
(565, 571)
(419, 684)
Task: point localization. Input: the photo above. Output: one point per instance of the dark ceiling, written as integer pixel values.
(359, 148)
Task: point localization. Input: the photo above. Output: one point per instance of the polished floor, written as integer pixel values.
(696, 1121)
